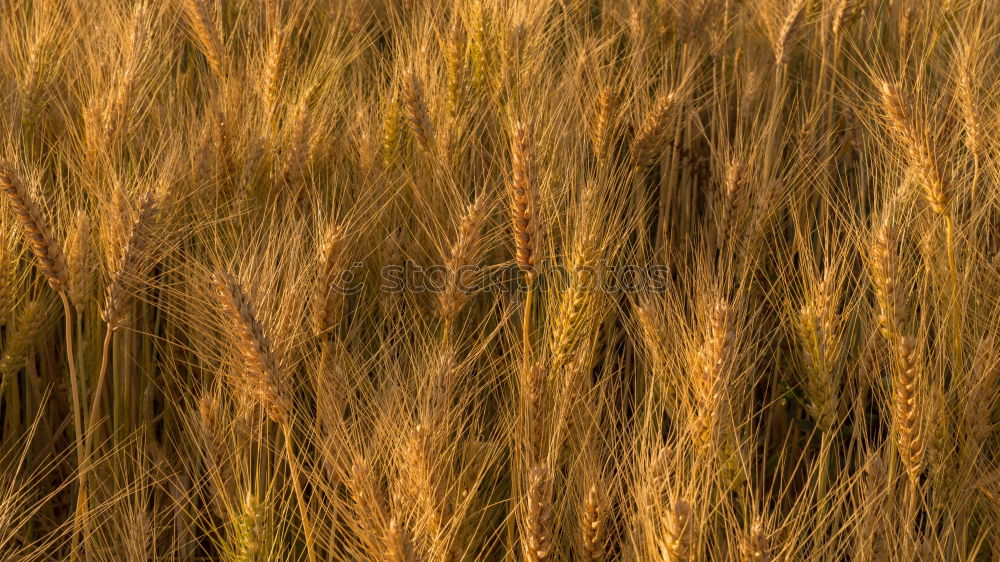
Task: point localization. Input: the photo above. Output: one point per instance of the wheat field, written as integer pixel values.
(461, 280)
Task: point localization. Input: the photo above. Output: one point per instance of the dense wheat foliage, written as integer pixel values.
(459, 280)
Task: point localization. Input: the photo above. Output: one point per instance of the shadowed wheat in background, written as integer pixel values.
(547, 280)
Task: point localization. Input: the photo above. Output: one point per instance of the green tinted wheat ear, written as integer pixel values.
(649, 139)
(390, 127)
(908, 404)
(261, 377)
(133, 259)
(34, 227)
(524, 198)
(250, 532)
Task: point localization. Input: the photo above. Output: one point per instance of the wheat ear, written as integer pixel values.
(207, 33)
(537, 539)
(754, 544)
(262, 379)
(35, 228)
(463, 253)
(524, 198)
(678, 532)
(325, 299)
(650, 138)
(133, 259)
(788, 31)
(602, 122)
(912, 135)
(907, 408)
(593, 519)
(415, 110)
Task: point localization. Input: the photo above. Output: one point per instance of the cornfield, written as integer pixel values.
(539, 280)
